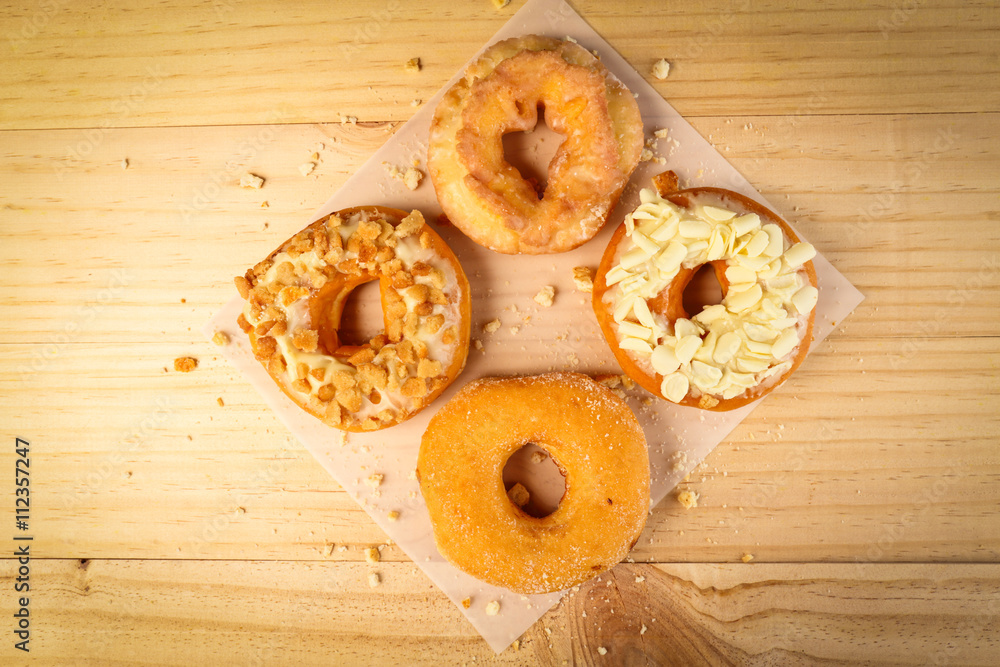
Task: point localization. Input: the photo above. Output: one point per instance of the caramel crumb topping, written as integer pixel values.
(518, 495)
(185, 364)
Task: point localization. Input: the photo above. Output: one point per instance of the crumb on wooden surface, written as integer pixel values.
(661, 69)
(251, 181)
(687, 498)
(185, 364)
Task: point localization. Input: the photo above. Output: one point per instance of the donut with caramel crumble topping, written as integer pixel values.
(295, 299)
(591, 435)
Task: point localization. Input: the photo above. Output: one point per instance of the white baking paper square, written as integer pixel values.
(531, 339)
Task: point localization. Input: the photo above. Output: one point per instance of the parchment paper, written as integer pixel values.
(531, 339)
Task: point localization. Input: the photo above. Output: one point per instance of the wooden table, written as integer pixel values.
(171, 529)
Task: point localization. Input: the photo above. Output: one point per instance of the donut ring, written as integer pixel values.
(296, 297)
(729, 354)
(599, 447)
(486, 197)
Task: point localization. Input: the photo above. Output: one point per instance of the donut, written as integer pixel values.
(730, 353)
(592, 436)
(295, 299)
(486, 197)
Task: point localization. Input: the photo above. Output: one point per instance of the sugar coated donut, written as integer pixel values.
(731, 353)
(592, 436)
(486, 197)
(296, 297)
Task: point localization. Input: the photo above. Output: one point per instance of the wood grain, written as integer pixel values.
(896, 209)
(236, 62)
(118, 612)
(861, 451)
(866, 488)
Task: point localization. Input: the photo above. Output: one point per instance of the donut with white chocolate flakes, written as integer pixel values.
(731, 353)
(296, 297)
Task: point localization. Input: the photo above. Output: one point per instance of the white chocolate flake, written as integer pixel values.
(727, 348)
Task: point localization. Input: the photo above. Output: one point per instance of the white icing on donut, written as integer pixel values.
(743, 344)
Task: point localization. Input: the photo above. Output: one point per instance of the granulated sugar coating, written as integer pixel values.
(599, 447)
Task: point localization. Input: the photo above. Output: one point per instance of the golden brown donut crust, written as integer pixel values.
(486, 197)
(593, 437)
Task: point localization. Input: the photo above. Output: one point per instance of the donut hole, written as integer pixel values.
(703, 290)
(539, 475)
(531, 151)
(362, 318)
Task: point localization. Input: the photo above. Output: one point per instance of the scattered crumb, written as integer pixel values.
(413, 65)
(375, 480)
(373, 579)
(500, 4)
(643, 629)
(415, 103)
(241, 510)
(661, 69)
(602, 650)
(348, 120)
(639, 579)
(492, 326)
(251, 181)
(124, 163)
(221, 403)
(646, 155)
(264, 204)
(517, 642)
(412, 178)
(538, 456)
(220, 338)
(393, 515)
(412, 474)
(661, 133)
(518, 495)
(747, 558)
(477, 344)
(306, 168)
(185, 364)
(583, 276)
(492, 608)
(328, 549)
(545, 296)
(466, 603)
(687, 499)
(372, 555)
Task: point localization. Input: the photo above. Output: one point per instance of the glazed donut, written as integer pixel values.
(730, 353)
(593, 437)
(296, 297)
(486, 197)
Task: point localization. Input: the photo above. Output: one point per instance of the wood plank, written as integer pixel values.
(256, 612)
(905, 207)
(231, 62)
(871, 452)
